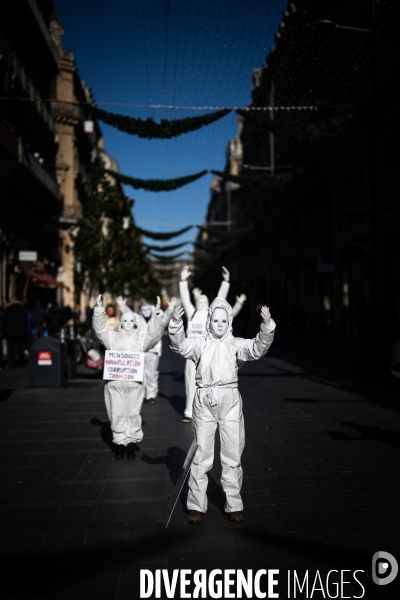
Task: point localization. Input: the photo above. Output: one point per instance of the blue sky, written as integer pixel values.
(175, 52)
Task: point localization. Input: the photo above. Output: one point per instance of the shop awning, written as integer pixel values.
(43, 280)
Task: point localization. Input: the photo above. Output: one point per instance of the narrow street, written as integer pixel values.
(321, 472)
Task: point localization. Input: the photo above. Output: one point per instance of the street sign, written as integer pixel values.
(27, 255)
(45, 358)
(181, 480)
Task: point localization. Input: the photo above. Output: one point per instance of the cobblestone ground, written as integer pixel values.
(320, 490)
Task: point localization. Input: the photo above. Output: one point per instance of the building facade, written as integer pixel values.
(324, 243)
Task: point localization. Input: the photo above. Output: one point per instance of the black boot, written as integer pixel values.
(120, 451)
(130, 450)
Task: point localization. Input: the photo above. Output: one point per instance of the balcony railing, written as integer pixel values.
(44, 30)
(9, 139)
(19, 73)
(39, 172)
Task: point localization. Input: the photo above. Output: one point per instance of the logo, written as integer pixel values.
(384, 568)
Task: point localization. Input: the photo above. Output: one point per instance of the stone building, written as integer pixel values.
(325, 245)
(30, 197)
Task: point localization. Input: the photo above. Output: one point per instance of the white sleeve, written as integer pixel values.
(257, 347)
(185, 299)
(154, 333)
(224, 289)
(100, 327)
(180, 344)
(237, 307)
(167, 315)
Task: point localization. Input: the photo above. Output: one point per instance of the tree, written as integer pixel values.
(108, 245)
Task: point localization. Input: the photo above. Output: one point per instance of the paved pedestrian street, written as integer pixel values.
(320, 489)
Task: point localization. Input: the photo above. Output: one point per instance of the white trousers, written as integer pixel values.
(151, 362)
(123, 403)
(228, 415)
(190, 387)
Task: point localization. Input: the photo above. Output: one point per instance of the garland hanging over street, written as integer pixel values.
(262, 182)
(166, 259)
(300, 130)
(163, 236)
(226, 235)
(166, 248)
(148, 128)
(155, 185)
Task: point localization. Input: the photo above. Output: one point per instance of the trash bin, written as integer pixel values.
(46, 363)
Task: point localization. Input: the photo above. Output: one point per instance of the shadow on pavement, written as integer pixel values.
(385, 436)
(5, 394)
(177, 402)
(105, 431)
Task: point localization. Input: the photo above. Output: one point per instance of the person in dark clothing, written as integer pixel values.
(15, 326)
(55, 319)
(39, 319)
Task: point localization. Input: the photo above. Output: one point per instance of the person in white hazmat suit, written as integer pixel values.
(152, 357)
(196, 325)
(124, 399)
(217, 359)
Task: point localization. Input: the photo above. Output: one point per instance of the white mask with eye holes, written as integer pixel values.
(219, 323)
(128, 321)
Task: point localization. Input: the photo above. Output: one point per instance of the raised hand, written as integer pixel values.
(225, 274)
(185, 273)
(265, 314)
(121, 301)
(196, 292)
(98, 301)
(178, 313)
(158, 304)
(241, 299)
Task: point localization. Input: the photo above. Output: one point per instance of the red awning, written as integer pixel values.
(43, 280)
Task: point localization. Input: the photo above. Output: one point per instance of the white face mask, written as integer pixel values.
(202, 303)
(128, 321)
(219, 322)
(146, 311)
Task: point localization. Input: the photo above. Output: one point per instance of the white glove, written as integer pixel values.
(241, 299)
(98, 302)
(172, 302)
(158, 305)
(121, 301)
(196, 292)
(185, 273)
(177, 314)
(225, 274)
(265, 314)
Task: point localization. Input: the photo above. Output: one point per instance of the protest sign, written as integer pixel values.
(196, 330)
(120, 365)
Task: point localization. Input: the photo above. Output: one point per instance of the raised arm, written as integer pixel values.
(155, 328)
(259, 346)
(122, 305)
(168, 312)
(100, 324)
(180, 344)
(185, 295)
(237, 307)
(225, 285)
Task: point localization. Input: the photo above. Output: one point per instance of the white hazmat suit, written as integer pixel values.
(217, 400)
(196, 326)
(152, 357)
(124, 399)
